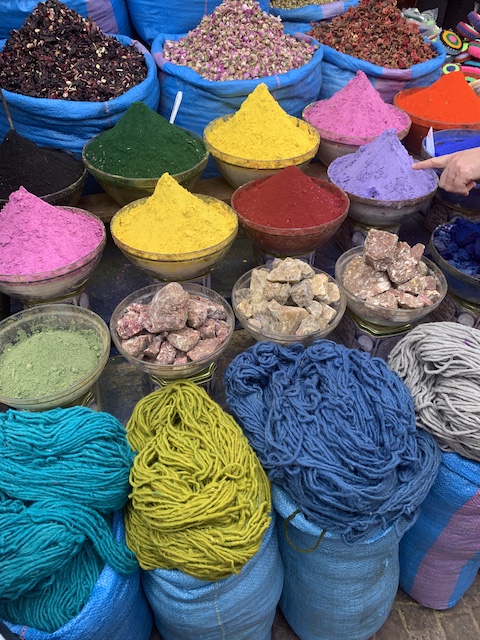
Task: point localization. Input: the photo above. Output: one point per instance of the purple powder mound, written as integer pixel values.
(382, 170)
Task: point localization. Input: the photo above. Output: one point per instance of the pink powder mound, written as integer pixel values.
(356, 114)
(36, 237)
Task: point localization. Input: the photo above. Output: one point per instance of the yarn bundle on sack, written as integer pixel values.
(65, 571)
(440, 555)
(199, 519)
(335, 430)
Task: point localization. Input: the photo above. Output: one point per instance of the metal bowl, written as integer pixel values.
(170, 371)
(238, 171)
(124, 190)
(57, 283)
(291, 241)
(378, 315)
(176, 266)
(461, 284)
(261, 336)
(55, 317)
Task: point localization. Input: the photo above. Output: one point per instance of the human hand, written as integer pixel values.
(460, 170)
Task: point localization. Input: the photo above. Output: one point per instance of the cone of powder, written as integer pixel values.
(382, 170)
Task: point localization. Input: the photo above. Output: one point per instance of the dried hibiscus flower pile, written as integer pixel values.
(377, 32)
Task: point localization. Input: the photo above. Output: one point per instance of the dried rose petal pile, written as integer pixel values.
(238, 41)
(59, 54)
(375, 31)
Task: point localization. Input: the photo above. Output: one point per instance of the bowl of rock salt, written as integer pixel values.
(48, 252)
(388, 283)
(288, 301)
(51, 355)
(172, 330)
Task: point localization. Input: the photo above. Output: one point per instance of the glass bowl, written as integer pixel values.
(238, 171)
(124, 190)
(378, 315)
(384, 213)
(461, 284)
(261, 336)
(177, 266)
(333, 146)
(420, 126)
(59, 282)
(170, 371)
(292, 241)
(55, 317)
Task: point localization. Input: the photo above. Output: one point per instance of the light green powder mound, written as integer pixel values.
(47, 362)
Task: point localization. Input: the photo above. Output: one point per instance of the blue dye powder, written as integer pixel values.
(459, 244)
(458, 143)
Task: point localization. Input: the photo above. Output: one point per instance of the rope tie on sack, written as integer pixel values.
(440, 364)
(335, 428)
(62, 474)
(200, 501)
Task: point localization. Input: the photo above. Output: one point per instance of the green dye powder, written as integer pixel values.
(47, 362)
(143, 144)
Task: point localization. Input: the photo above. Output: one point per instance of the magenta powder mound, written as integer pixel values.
(36, 237)
(382, 169)
(356, 114)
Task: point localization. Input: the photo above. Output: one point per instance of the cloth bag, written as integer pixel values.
(204, 100)
(299, 19)
(339, 68)
(116, 610)
(333, 590)
(240, 607)
(110, 15)
(152, 17)
(68, 124)
(440, 554)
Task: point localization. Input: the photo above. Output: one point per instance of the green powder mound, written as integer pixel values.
(143, 144)
(47, 362)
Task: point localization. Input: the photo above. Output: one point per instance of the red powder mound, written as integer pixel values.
(289, 200)
(450, 100)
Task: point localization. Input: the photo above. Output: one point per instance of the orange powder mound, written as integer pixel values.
(450, 100)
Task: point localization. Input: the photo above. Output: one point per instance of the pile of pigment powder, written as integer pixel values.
(356, 114)
(458, 243)
(41, 170)
(143, 144)
(187, 222)
(382, 170)
(450, 100)
(261, 130)
(459, 141)
(36, 237)
(290, 200)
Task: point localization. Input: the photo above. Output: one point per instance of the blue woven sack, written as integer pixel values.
(333, 590)
(299, 19)
(204, 100)
(68, 124)
(152, 17)
(240, 607)
(110, 15)
(117, 608)
(339, 68)
(440, 555)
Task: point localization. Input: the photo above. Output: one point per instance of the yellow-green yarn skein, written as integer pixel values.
(200, 500)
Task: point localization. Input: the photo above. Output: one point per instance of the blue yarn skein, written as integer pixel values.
(62, 475)
(335, 428)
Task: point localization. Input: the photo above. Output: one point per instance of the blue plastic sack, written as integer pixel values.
(333, 590)
(117, 608)
(240, 607)
(152, 17)
(339, 68)
(299, 19)
(440, 555)
(204, 100)
(110, 15)
(68, 124)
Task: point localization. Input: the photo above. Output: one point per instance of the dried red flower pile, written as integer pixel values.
(377, 32)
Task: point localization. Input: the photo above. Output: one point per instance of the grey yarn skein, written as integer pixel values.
(440, 364)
